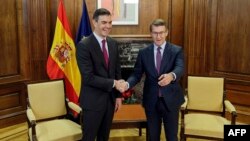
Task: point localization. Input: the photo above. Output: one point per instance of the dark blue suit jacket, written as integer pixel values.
(97, 80)
(172, 61)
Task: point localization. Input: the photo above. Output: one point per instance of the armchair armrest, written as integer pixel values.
(229, 106)
(77, 109)
(31, 116)
(184, 105)
(74, 107)
(31, 122)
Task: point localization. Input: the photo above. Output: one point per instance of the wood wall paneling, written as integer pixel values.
(23, 45)
(165, 10)
(14, 64)
(217, 44)
(9, 39)
(238, 91)
(197, 31)
(232, 38)
(12, 103)
(12, 98)
(39, 39)
(231, 49)
(176, 12)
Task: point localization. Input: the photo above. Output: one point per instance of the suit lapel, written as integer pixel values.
(111, 54)
(166, 56)
(98, 50)
(152, 61)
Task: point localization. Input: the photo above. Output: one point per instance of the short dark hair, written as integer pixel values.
(99, 12)
(157, 22)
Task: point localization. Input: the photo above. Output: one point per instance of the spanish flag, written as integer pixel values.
(62, 58)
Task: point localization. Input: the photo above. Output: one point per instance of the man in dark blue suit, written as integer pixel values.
(163, 65)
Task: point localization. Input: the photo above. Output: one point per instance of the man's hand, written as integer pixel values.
(118, 104)
(121, 85)
(165, 79)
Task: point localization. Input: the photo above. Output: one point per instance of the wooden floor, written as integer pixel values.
(19, 133)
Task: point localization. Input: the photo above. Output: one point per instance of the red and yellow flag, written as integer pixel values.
(62, 58)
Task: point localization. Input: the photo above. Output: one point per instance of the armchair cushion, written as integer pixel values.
(67, 130)
(200, 124)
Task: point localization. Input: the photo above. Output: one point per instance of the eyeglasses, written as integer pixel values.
(158, 33)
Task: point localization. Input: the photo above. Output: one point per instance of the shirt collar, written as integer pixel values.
(162, 46)
(99, 38)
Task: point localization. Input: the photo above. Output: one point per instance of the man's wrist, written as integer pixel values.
(127, 85)
(114, 84)
(173, 75)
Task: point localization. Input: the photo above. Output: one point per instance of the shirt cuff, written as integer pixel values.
(127, 85)
(114, 84)
(174, 76)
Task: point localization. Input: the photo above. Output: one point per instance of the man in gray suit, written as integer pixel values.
(99, 64)
(163, 65)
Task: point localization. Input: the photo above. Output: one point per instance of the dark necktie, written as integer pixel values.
(158, 59)
(105, 53)
(158, 64)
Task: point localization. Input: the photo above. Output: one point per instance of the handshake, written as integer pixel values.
(121, 85)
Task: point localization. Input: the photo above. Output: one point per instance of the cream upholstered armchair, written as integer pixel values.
(47, 112)
(203, 113)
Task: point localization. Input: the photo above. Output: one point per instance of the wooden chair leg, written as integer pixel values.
(140, 131)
